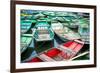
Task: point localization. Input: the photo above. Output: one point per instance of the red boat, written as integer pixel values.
(36, 59)
(63, 52)
(71, 48)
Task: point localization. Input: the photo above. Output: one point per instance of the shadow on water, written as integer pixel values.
(44, 45)
(26, 53)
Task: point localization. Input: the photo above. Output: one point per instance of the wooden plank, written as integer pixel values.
(45, 58)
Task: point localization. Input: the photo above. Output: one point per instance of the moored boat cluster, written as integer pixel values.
(53, 35)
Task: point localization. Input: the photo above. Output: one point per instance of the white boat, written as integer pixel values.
(64, 32)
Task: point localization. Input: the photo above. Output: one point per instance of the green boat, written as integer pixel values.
(49, 13)
(39, 16)
(25, 25)
(43, 31)
(60, 13)
(60, 19)
(84, 29)
(25, 42)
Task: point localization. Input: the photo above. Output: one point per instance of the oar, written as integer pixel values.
(82, 54)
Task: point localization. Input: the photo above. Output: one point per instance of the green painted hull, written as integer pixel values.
(25, 42)
(43, 31)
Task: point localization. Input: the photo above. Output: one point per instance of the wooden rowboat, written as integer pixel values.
(64, 32)
(43, 31)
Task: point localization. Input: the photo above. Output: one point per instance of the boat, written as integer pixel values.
(84, 15)
(39, 15)
(70, 18)
(71, 22)
(53, 54)
(25, 25)
(26, 40)
(43, 31)
(84, 30)
(36, 59)
(60, 13)
(71, 49)
(63, 52)
(49, 13)
(60, 19)
(26, 14)
(64, 32)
